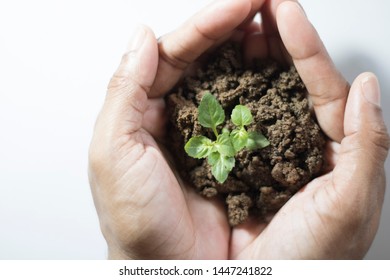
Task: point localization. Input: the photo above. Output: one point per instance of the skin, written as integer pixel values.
(147, 211)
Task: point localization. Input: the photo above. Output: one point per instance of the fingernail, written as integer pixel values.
(136, 39)
(371, 89)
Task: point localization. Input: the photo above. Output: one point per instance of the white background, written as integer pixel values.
(56, 58)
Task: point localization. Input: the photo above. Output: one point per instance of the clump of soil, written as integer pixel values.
(262, 180)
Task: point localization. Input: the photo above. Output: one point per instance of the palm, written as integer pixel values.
(300, 223)
(190, 226)
(187, 225)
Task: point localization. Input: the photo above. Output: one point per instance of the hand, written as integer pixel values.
(147, 211)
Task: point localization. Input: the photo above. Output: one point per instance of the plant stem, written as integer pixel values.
(215, 132)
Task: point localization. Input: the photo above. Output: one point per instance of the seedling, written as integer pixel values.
(220, 152)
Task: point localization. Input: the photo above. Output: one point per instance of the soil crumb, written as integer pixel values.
(262, 181)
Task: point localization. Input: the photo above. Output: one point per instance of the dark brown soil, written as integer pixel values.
(262, 180)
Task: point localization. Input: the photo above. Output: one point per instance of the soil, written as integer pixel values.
(262, 181)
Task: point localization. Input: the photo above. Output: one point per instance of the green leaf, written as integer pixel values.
(241, 116)
(210, 112)
(199, 147)
(225, 130)
(256, 140)
(220, 166)
(224, 145)
(239, 138)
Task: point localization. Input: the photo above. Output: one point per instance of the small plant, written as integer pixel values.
(220, 152)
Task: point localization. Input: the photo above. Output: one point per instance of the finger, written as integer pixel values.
(327, 88)
(366, 139)
(259, 45)
(254, 44)
(268, 16)
(155, 118)
(126, 100)
(255, 7)
(181, 47)
(359, 177)
(270, 32)
(265, 42)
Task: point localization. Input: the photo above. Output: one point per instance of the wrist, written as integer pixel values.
(118, 254)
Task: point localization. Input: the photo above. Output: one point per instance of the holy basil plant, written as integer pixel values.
(220, 152)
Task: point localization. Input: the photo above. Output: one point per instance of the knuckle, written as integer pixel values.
(122, 76)
(379, 137)
(174, 58)
(127, 87)
(118, 82)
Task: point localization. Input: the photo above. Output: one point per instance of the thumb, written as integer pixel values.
(364, 148)
(365, 131)
(126, 99)
(355, 192)
(358, 177)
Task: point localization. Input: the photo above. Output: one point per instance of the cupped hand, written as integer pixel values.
(147, 211)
